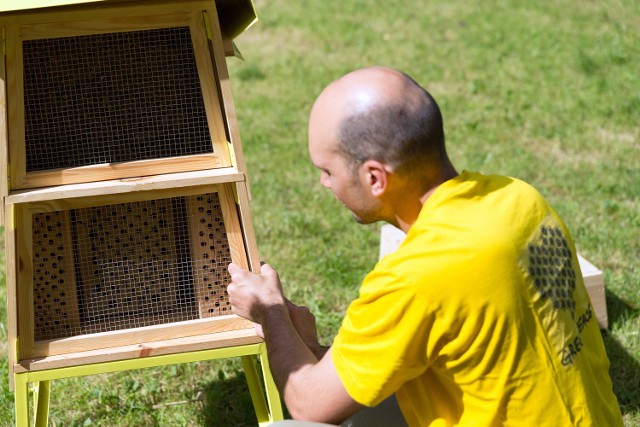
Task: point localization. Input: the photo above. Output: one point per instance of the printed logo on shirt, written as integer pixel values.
(562, 304)
(551, 269)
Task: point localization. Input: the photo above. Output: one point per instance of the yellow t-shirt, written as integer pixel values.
(480, 318)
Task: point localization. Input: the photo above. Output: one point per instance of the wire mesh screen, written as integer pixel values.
(129, 265)
(113, 97)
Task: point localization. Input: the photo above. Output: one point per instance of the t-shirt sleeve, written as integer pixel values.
(383, 340)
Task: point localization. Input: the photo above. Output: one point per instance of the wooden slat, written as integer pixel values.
(15, 106)
(105, 340)
(247, 226)
(4, 141)
(224, 87)
(232, 225)
(98, 25)
(229, 49)
(243, 336)
(12, 290)
(102, 9)
(112, 171)
(28, 4)
(24, 281)
(111, 199)
(209, 88)
(131, 185)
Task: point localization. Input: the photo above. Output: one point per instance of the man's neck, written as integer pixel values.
(411, 206)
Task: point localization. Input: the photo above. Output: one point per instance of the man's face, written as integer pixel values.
(350, 187)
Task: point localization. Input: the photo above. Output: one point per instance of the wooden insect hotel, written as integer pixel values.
(125, 192)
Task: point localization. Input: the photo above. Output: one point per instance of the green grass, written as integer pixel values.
(544, 91)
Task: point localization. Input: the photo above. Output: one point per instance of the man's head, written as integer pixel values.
(372, 124)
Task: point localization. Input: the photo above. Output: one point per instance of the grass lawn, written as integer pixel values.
(547, 92)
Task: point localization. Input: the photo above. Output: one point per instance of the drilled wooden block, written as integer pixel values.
(54, 288)
(129, 265)
(211, 255)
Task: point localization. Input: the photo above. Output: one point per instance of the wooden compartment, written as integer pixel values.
(120, 92)
(104, 271)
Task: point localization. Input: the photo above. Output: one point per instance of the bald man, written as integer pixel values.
(481, 316)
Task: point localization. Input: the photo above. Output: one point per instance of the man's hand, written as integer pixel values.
(303, 371)
(252, 295)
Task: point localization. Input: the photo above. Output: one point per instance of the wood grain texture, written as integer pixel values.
(24, 281)
(246, 220)
(106, 340)
(177, 181)
(4, 136)
(216, 45)
(105, 9)
(12, 292)
(205, 341)
(232, 225)
(15, 106)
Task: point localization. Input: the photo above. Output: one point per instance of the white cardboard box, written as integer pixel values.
(594, 281)
(391, 237)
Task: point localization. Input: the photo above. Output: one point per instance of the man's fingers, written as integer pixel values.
(266, 269)
(233, 269)
(237, 273)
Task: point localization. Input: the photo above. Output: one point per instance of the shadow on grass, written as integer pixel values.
(228, 403)
(625, 370)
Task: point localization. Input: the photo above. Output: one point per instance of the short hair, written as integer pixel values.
(406, 137)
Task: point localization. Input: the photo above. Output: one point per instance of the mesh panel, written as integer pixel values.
(129, 265)
(112, 98)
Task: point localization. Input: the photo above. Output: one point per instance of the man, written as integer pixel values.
(481, 316)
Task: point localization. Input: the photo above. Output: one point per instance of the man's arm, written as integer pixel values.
(304, 323)
(310, 386)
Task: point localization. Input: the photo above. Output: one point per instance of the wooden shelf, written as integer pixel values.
(127, 185)
(143, 349)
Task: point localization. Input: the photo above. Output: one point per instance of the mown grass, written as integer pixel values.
(544, 91)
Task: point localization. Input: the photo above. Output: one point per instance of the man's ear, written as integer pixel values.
(377, 176)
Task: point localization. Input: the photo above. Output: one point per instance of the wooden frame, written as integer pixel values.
(200, 17)
(12, 299)
(24, 194)
(4, 135)
(29, 348)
